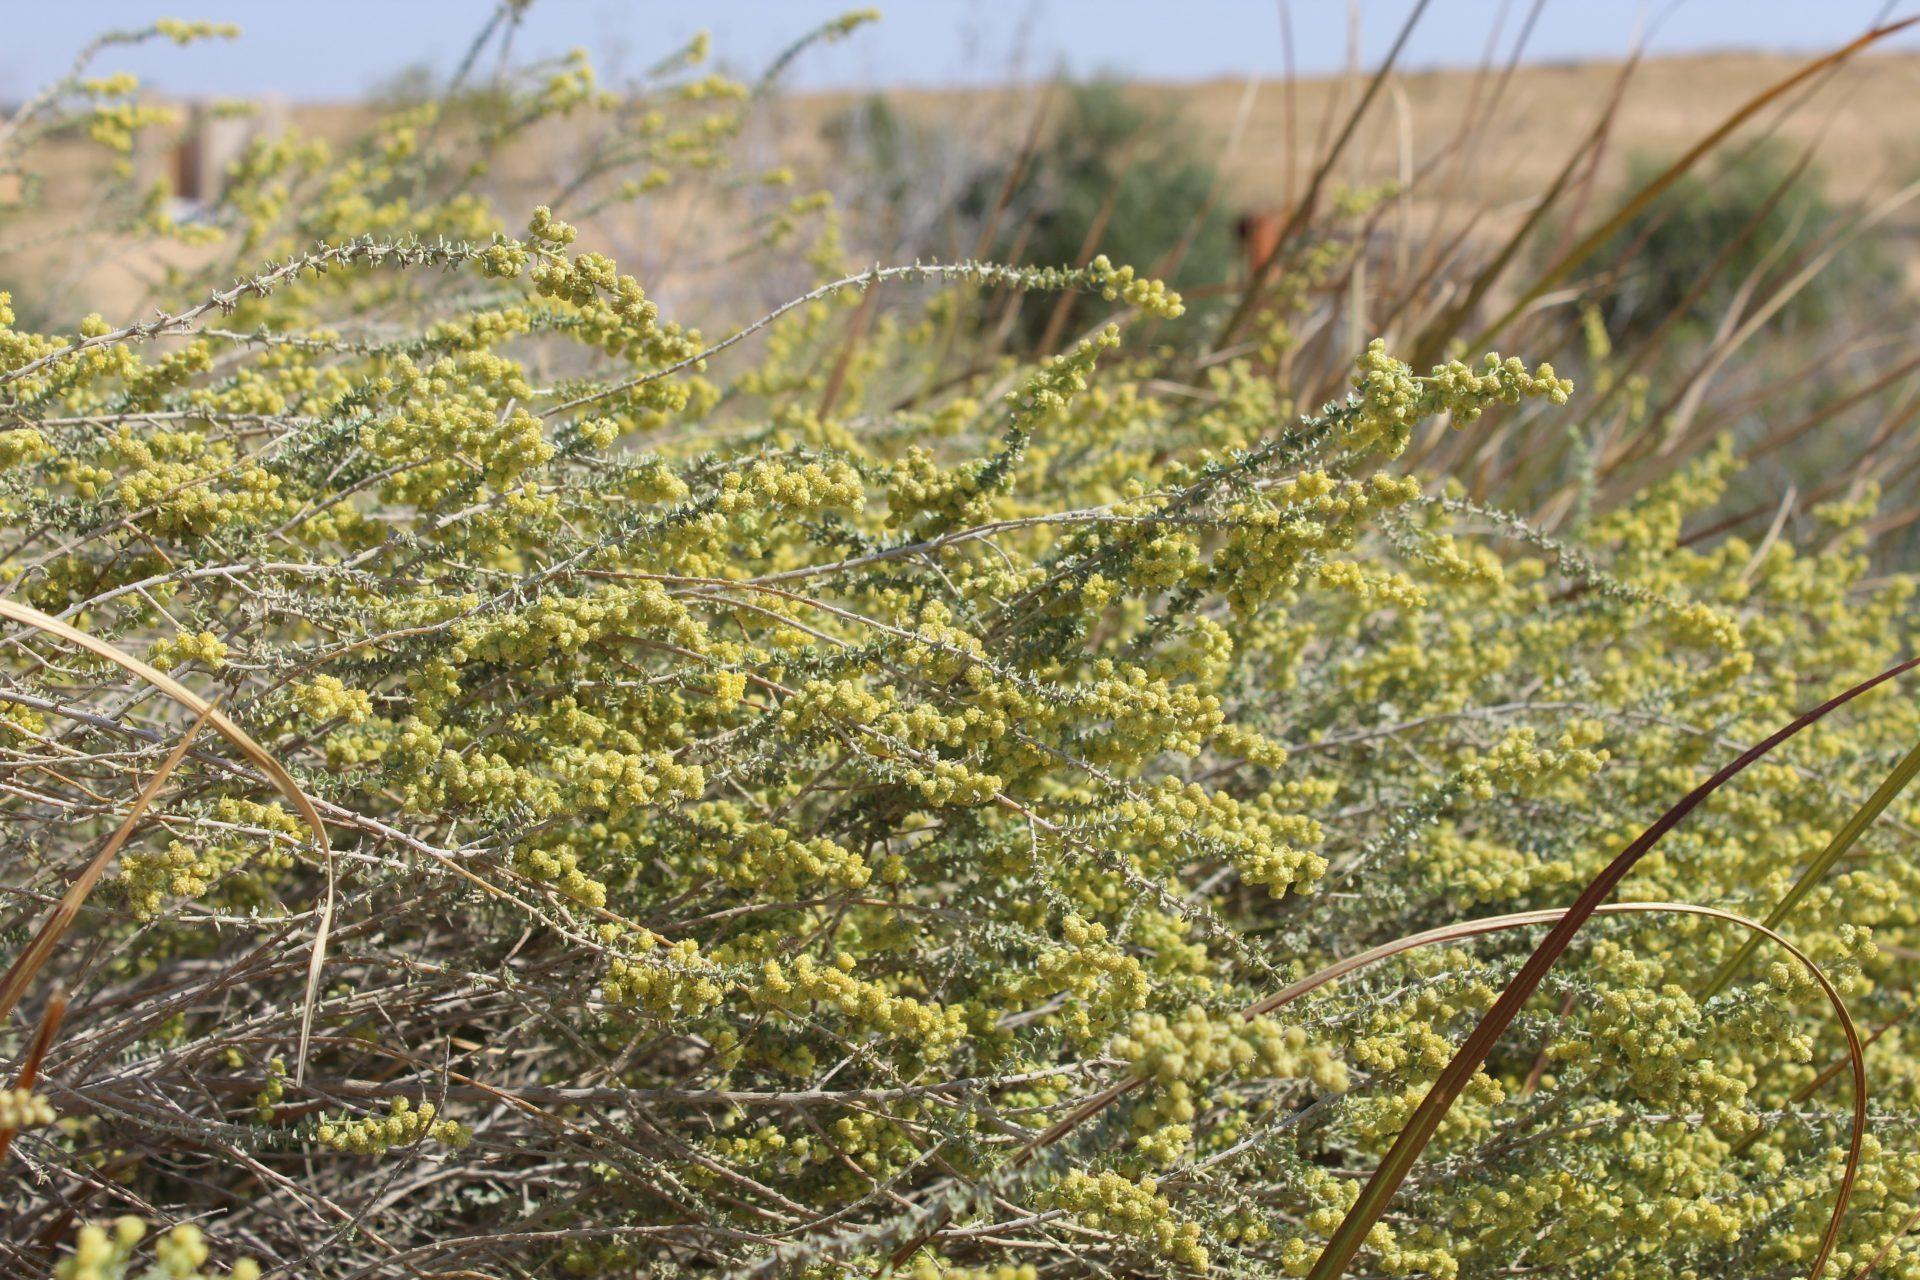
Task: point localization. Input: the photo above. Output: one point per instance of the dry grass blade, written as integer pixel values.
(1886, 1250)
(1428, 346)
(253, 751)
(1063, 305)
(1303, 212)
(1685, 405)
(856, 329)
(36, 1054)
(1856, 1046)
(1843, 840)
(1651, 191)
(30, 961)
(1425, 1121)
(1655, 341)
(990, 226)
(1827, 412)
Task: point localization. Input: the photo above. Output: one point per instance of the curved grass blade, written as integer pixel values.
(1820, 1081)
(253, 751)
(36, 1053)
(1425, 1121)
(1856, 1046)
(1843, 839)
(40, 948)
(1855, 1059)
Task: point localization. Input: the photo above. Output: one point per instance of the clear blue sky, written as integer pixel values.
(337, 48)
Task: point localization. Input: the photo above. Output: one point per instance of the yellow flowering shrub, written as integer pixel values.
(777, 771)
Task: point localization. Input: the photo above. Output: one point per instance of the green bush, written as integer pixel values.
(1120, 171)
(1750, 218)
(763, 797)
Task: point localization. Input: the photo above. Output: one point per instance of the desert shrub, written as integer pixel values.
(763, 795)
(1752, 221)
(1118, 171)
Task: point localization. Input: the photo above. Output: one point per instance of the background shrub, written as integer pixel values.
(1754, 219)
(1120, 173)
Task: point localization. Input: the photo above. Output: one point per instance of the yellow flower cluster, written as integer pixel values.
(663, 980)
(24, 1109)
(927, 1268)
(933, 1030)
(1194, 1046)
(325, 697)
(1120, 283)
(180, 1254)
(404, 1125)
(1133, 1209)
(150, 878)
(1389, 400)
(1304, 517)
(203, 647)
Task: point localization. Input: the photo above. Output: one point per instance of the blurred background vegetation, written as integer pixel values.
(1767, 289)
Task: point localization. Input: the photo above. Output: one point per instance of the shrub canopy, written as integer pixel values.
(768, 783)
